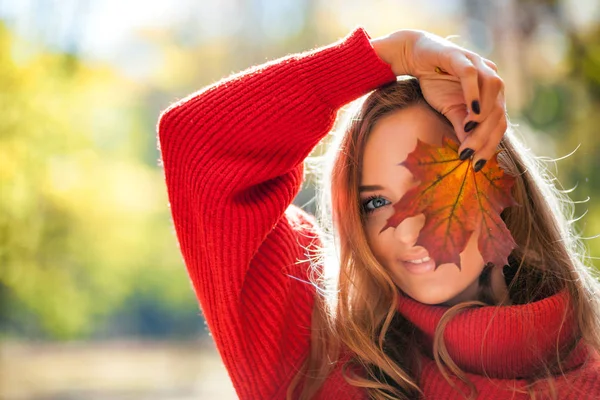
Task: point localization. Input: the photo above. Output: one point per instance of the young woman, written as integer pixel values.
(298, 310)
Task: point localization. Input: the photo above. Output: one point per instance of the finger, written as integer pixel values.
(480, 137)
(490, 87)
(457, 64)
(490, 148)
(456, 115)
(491, 64)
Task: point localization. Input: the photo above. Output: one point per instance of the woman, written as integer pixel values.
(293, 318)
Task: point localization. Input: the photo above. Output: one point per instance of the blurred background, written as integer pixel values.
(95, 302)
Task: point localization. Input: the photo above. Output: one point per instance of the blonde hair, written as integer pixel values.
(348, 320)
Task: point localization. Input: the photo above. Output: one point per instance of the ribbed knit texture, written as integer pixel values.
(232, 156)
(500, 347)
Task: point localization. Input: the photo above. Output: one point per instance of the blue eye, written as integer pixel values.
(374, 202)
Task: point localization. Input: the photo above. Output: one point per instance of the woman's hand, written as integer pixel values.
(458, 83)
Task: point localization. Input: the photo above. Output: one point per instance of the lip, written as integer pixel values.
(415, 256)
(422, 268)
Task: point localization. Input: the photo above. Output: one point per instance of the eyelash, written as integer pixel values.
(368, 199)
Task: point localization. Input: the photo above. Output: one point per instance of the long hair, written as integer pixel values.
(355, 319)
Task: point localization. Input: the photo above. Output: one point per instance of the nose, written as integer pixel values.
(408, 230)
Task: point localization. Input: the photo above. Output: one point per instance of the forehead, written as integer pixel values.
(395, 136)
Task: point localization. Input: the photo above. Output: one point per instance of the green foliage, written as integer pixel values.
(82, 217)
(568, 110)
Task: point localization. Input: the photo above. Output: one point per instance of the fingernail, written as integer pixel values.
(466, 153)
(478, 165)
(475, 107)
(470, 126)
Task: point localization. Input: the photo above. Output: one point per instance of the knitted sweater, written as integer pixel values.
(233, 160)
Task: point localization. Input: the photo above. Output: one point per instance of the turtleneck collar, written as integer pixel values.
(501, 341)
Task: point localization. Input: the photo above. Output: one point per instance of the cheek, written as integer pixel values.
(472, 246)
(380, 243)
(470, 258)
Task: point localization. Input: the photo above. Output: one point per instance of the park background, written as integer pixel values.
(95, 302)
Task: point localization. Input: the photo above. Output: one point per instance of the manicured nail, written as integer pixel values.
(478, 165)
(466, 153)
(475, 107)
(470, 126)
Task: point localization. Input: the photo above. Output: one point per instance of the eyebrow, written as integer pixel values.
(369, 188)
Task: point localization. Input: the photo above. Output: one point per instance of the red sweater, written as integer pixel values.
(233, 155)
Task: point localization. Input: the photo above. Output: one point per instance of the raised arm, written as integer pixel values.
(232, 156)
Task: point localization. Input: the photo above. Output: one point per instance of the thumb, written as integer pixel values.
(456, 115)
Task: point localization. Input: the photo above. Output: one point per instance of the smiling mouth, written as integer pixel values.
(420, 266)
(419, 260)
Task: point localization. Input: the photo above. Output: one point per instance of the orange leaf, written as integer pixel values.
(456, 202)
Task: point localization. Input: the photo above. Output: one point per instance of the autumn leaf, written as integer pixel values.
(456, 201)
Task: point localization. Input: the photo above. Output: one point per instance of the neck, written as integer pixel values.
(474, 292)
(499, 287)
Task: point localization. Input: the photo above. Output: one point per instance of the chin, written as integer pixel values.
(429, 297)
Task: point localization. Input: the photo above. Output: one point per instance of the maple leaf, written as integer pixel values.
(456, 202)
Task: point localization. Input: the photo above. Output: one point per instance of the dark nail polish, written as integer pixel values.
(466, 153)
(470, 126)
(475, 107)
(478, 165)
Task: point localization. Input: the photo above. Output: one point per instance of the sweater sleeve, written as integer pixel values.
(233, 160)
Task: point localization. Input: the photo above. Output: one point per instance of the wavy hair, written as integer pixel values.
(355, 319)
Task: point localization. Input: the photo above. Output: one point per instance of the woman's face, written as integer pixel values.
(392, 139)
